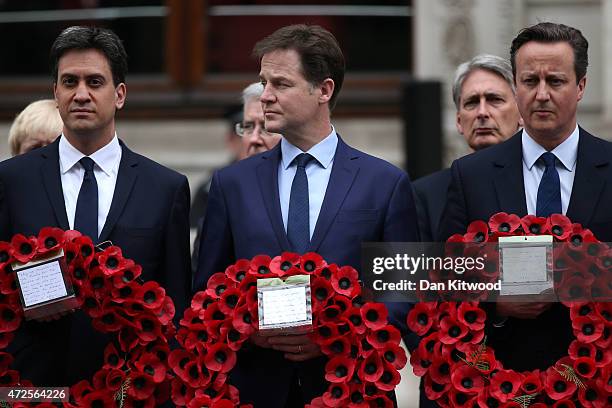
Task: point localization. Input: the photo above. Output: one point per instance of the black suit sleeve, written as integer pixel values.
(216, 250)
(423, 216)
(5, 230)
(454, 216)
(176, 266)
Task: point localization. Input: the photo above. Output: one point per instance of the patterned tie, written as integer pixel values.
(298, 225)
(86, 216)
(549, 190)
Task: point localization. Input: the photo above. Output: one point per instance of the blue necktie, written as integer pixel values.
(549, 190)
(298, 221)
(86, 216)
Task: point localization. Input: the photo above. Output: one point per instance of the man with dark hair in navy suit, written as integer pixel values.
(312, 192)
(90, 181)
(551, 166)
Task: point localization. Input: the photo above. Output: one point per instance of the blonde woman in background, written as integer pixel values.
(37, 125)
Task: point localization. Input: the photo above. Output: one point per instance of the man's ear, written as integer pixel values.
(581, 86)
(327, 90)
(458, 123)
(120, 95)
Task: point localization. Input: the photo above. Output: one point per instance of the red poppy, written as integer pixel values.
(167, 312)
(195, 375)
(229, 300)
(111, 260)
(471, 316)
(345, 282)
(477, 232)
(604, 380)
(467, 379)
(434, 390)
(151, 365)
(110, 320)
(233, 337)
(244, 321)
(504, 224)
(603, 356)
(339, 369)
(98, 398)
(181, 393)
(336, 395)
(374, 315)
(421, 317)
(280, 265)
(23, 248)
(10, 318)
(178, 359)
(6, 251)
(260, 267)
(151, 294)
(311, 262)
(560, 226)
(532, 383)
(587, 329)
(111, 379)
(440, 370)
(238, 271)
(336, 346)
(50, 239)
(386, 334)
(460, 399)
(148, 328)
(353, 315)
(322, 291)
(219, 357)
(580, 349)
(451, 330)
(592, 396)
(394, 355)
(585, 366)
(556, 386)
(389, 378)
(325, 331)
(505, 385)
(533, 225)
(141, 386)
(331, 314)
(201, 300)
(217, 284)
(371, 369)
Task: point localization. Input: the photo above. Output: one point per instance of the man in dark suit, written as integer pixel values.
(552, 166)
(90, 181)
(346, 197)
(484, 95)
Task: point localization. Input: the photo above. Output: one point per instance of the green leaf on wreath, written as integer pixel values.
(525, 400)
(121, 394)
(570, 375)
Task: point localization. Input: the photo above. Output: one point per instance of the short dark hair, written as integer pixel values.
(84, 38)
(552, 32)
(319, 52)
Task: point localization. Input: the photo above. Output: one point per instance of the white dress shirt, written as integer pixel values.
(106, 168)
(533, 170)
(317, 171)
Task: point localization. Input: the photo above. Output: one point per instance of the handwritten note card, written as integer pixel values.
(285, 305)
(526, 265)
(41, 283)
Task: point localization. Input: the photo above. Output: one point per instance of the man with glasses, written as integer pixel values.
(255, 138)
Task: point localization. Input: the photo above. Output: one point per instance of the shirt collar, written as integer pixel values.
(566, 152)
(323, 151)
(107, 158)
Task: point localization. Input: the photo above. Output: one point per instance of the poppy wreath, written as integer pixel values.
(363, 349)
(459, 370)
(108, 288)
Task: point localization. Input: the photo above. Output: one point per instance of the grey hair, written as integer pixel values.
(488, 62)
(251, 92)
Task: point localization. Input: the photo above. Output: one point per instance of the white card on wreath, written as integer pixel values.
(526, 264)
(284, 306)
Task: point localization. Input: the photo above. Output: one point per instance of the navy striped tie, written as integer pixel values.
(298, 221)
(549, 190)
(86, 215)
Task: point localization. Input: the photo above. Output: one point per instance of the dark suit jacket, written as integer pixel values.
(366, 199)
(430, 199)
(491, 181)
(148, 220)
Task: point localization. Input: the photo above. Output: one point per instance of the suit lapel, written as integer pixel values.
(342, 176)
(588, 183)
(508, 180)
(128, 172)
(50, 172)
(267, 177)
